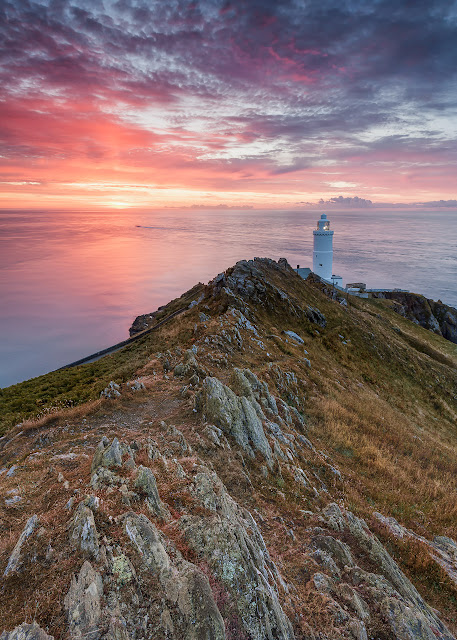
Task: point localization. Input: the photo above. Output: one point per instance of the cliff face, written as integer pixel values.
(268, 464)
(430, 314)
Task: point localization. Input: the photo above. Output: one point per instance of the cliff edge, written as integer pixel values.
(430, 314)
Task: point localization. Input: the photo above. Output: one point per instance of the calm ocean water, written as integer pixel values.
(71, 283)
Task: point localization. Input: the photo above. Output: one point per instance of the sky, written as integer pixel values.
(246, 103)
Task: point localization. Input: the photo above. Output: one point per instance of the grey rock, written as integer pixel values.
(146, 540)
(188, 607)
(448, 545)
(83, 532)
(15, 560)
(189, 367)
(323, 583)
(82, 604)
(245, 383)
(350, 596)
(294, 337)
(136, 385)
(300, 476)
(111, 391)
(188, 589)
(314, 315)
(26, 632)
(93, 502)
(11, 471)
(145, 482)
(306, 442)
(231, 543)
(180, 370)
(408, 615)
(327, 562)
(107, 456)
(112, 456)
(394, 527)
(104, 478)
(236, 416)
(214, 434)
(180, 441)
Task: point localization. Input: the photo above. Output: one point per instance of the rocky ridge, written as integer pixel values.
(197, 503)
(430, 314)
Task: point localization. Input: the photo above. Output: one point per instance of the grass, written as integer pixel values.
(383, 407)
(56, 392)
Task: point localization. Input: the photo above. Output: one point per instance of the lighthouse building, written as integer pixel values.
(323, 251)
(322, 254)
(323, 248)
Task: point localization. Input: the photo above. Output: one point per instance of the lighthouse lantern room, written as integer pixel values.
(323, 249)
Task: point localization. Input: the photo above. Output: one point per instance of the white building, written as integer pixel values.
(323, 248)
(323, 252)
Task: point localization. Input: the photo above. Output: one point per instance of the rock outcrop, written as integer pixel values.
(230, 541)
(83, 604)
(237, 416)
(397, 600)
(14, 562)
(430, 314)
(26, 632)
(83, 532)
(216, 491)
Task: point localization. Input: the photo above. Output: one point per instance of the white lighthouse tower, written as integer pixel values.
(322, 254)
(323, 249)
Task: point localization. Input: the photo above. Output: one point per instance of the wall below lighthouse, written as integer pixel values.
(323, 254)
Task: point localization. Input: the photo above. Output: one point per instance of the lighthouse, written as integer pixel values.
(323, 249)
(322, 255)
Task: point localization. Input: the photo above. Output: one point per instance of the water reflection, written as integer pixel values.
(72, 282)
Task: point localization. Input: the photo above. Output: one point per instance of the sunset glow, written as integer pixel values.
(130, 103)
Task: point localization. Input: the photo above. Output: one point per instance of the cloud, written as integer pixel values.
(346, 202)
(440, 203)
(247, 94)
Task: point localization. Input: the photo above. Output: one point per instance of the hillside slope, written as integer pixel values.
(269, 464)
(430, 314)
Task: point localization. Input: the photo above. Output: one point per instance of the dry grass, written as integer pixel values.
(391, 462)
(382, 406)
(431, 580)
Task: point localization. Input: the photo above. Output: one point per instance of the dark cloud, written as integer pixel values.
(346, 202)
(327, 81)
(441, 203)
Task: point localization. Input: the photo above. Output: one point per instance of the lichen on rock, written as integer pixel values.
(83, 604)
(145, 482)
(232, 544)
(15, 560)
(236, 416)
(26, 631)
(83, 532)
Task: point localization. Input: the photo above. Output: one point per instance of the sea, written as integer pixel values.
(72, 282)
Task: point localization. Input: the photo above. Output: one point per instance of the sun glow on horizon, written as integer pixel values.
(255, 107)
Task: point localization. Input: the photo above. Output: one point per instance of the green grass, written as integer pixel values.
(67, 388)
(71, 387)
